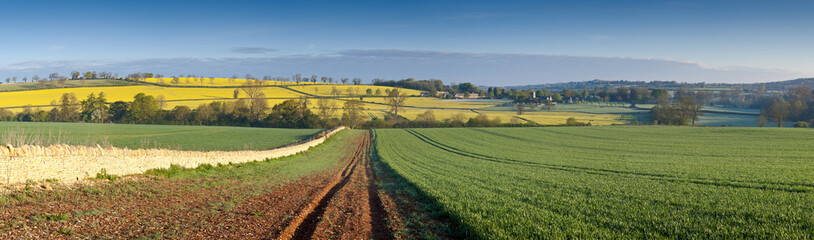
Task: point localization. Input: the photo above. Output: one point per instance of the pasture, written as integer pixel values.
(612, 182)
(151, 136)
(27, 86)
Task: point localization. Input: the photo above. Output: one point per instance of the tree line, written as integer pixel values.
(248, 112)
(432, 86)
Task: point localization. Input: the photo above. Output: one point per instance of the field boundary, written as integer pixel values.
(69, 164)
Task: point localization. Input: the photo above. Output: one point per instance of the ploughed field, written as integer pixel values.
(612, 182)
(328, 191)
(198, 138)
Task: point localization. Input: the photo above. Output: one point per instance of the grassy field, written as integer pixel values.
(579, 108)
(613, 182)
(68, 84)
(152, 136)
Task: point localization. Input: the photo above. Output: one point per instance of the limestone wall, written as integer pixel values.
(71, 163)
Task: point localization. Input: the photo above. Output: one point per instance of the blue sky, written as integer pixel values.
(486, 42)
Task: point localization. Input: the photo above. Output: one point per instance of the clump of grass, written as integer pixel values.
(104, 175)
(51, 217)
(65, 231)
(174, 169)
(223, 206)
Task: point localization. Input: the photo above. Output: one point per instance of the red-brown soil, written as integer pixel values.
(351, 209)
(341, 202)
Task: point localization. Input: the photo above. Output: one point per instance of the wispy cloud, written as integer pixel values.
(253, 50)
(480, 68)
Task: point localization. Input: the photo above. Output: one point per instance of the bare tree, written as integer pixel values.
(297, 78)
(521, 107)
(14, 79)
(254, 89)
(690, 107)
(344, 80)
(353, 113)
(161, 101)
(357, 81)
(61, 81)
(335, 92)
(396, 100)
(258, 106)
(326, 107)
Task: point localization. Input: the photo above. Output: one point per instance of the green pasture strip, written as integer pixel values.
(29, 86)
(199, 138)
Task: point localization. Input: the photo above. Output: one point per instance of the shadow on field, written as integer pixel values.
(423, 217)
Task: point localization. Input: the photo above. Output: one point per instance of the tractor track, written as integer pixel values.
(349, 207)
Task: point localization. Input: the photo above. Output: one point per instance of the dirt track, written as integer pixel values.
(349, 208)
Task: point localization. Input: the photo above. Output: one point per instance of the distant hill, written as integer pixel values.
(775, 86)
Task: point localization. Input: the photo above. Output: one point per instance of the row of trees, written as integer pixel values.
(296, 78)
(292, 113)
(683, 107)
(683, 110)
(796, 104)
(75, 75)
(146, 109)
(621, 94)
(432, 86)
(176, 79)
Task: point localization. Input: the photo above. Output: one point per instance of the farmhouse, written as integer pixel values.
(463, 95)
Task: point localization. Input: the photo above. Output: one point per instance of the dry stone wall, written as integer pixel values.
(72, 163)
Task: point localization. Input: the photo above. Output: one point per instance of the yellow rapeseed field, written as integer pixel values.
(554, 118)
(192, 96)
(217, 82)
(545, 118)
(374, 107)
(429, 102)
(327, 90)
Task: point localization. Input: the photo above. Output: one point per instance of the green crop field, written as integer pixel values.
(151, 136)
(613, 182)
(68, 84)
